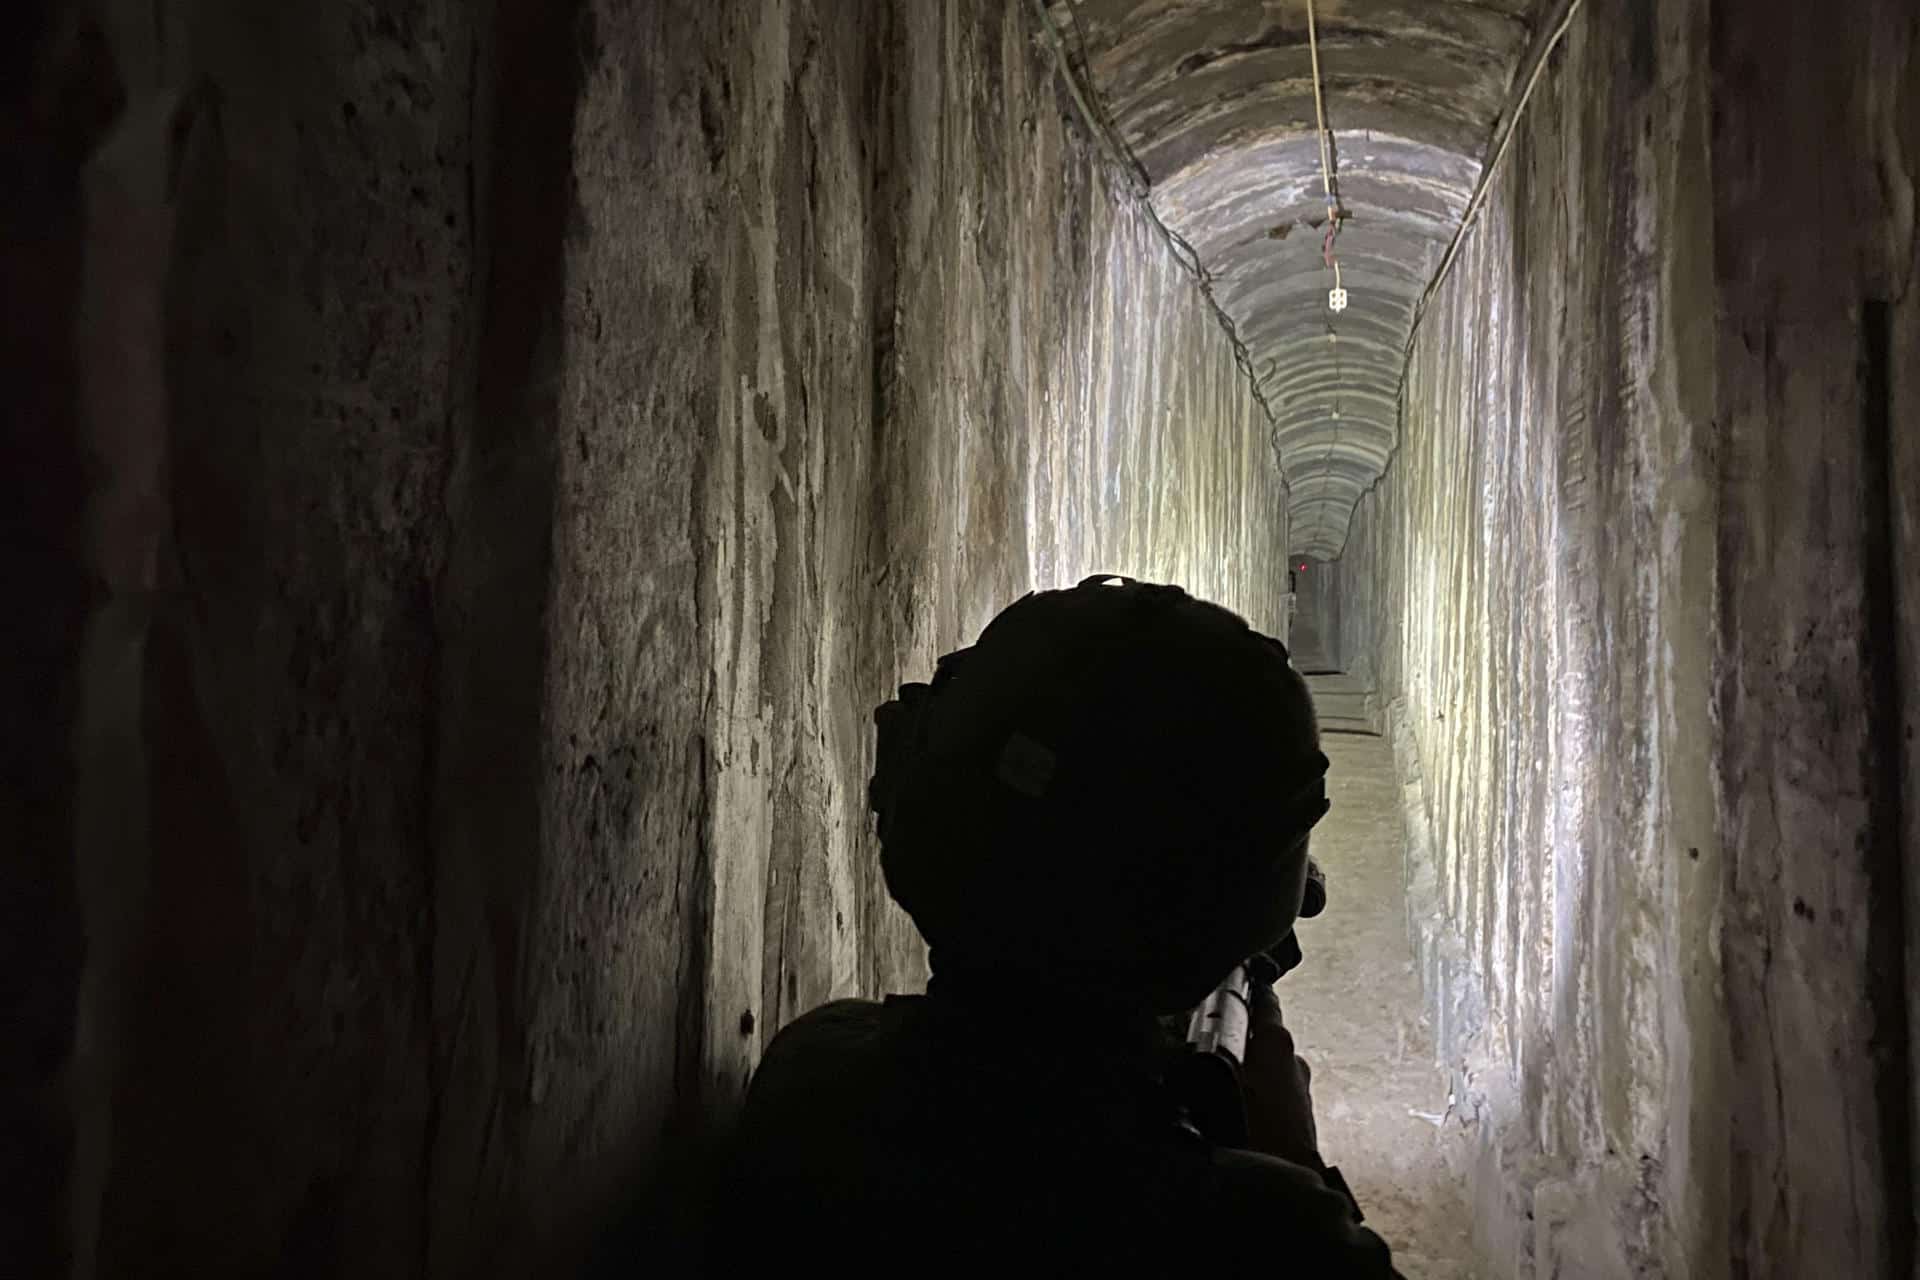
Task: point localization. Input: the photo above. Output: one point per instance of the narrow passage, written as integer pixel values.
(1356, 1013)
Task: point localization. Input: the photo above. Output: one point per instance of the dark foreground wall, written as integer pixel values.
(1640, 587)
(512, 448)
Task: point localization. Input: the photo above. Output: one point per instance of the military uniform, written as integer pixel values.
(933, 1134)
(1109, 794)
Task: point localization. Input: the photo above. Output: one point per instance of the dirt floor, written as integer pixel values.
(1355, 1010)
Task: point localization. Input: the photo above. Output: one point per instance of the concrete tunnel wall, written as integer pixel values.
(1638, 590)
(503, 460)
(510, 459)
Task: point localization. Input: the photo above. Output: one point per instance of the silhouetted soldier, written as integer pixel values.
(1092, 815)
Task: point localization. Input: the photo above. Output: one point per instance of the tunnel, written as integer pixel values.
(473, 469)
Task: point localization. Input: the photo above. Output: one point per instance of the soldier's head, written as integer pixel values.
(1111, 790)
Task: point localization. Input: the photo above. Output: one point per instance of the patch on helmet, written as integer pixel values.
(1026, 766)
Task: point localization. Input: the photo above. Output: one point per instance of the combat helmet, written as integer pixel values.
(1112, 788)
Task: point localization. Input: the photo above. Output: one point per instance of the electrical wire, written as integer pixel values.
(1327, 255)
(1139, 185)
(1486, 177)
(1319, 107)
(1326, 151)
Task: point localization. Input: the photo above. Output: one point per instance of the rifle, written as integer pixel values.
(1206, 1079)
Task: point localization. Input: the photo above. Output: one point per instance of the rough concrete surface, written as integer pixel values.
(1816, 380)
(473, 469)
(526, 443)
(1505, 583)
(1217, 100)
(1623, 584)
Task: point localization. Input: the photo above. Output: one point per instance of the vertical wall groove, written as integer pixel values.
(1890, 1041)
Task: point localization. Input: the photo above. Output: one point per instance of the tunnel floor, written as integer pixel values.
(1355, 1010)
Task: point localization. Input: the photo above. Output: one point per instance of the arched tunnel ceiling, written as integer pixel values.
(1215, 98)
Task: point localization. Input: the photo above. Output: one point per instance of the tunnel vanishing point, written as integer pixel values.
(472, 468)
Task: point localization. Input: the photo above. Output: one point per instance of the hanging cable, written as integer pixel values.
(1511, 118)
(1337, 296)
(1319, 107)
